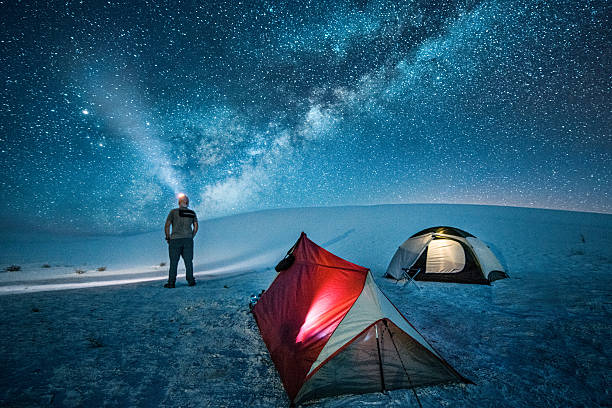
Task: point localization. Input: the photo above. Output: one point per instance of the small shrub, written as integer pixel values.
(575, 252)
(100, 269)
(46, 266)
(94, 343)
(13, 268)
(162, 264)
(80, 271)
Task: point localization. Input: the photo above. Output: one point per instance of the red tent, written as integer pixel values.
(330, 330)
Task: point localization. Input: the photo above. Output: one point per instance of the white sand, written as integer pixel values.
(116, 337)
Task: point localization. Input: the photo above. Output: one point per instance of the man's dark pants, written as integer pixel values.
(181, 247)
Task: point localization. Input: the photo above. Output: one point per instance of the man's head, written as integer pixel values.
(183, 200)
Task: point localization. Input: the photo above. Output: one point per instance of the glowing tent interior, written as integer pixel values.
(330, 330)
(445, 254)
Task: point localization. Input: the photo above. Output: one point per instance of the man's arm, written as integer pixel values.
(195, 228)
(167, 230)
(167, 226)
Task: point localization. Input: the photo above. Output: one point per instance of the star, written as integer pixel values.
(250, 106)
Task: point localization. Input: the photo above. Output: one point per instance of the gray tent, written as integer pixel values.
(445, 254)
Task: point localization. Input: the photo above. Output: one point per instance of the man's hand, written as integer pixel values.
(167, 239)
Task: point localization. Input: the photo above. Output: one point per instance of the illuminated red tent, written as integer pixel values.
(330, 330)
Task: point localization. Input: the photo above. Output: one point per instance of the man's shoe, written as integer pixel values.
(192, 283)
(169, 285)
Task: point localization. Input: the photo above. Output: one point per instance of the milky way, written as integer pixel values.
(110, 108)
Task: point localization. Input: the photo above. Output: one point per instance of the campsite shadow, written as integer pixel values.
(338, 238)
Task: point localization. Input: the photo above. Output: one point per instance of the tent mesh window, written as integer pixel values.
(471, 271)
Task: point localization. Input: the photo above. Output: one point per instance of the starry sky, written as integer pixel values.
(111, 108)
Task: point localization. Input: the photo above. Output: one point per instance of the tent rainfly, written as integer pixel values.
(445, 254)
(330, 331)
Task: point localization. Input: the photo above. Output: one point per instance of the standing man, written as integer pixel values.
(180, 242)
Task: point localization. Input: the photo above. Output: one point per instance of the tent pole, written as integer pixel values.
(382, 376)
(403, 366)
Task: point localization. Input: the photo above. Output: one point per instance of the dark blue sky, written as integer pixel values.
(110, 108)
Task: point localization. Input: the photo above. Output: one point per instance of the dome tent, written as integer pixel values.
(330, 330)
(445, 254)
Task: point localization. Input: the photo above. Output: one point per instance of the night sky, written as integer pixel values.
(109, 109)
